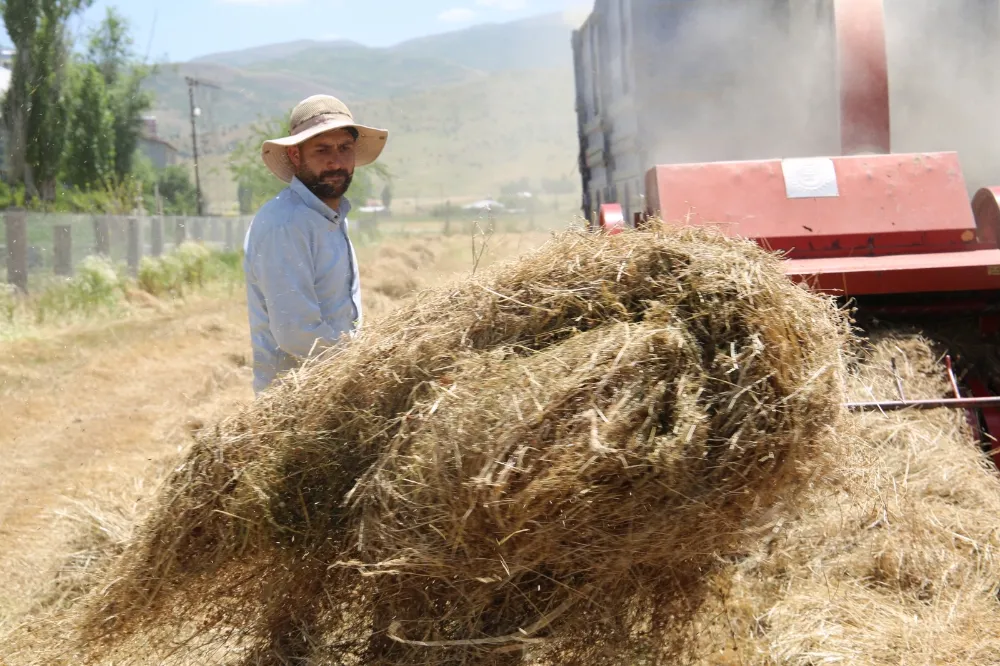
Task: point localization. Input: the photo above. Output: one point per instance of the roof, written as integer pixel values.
(156, 139)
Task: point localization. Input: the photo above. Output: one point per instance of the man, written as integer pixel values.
(303, 289)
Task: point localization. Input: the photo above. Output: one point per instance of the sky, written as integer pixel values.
(178, 30)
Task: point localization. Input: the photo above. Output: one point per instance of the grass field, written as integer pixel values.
(895, 564)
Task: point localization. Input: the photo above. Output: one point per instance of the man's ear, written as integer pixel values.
(295, 156)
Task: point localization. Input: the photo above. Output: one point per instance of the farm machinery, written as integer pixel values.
(893, 233)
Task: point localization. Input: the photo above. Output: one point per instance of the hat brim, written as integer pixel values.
(274, 152)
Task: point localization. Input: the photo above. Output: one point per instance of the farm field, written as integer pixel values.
(91, 412)
(886, 555)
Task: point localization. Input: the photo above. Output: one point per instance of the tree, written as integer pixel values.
(177, 191)
(32, 107)
(252, 176)
(48, 116)
(110, 52)
(90, 154)
(110, 46)
(173, 183)
(21, 19)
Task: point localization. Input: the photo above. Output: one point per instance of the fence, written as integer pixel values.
(37, 245)
(43, 245)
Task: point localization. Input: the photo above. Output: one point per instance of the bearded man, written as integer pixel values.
(303, 289)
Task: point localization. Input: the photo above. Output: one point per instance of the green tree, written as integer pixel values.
(21, 18)
(173, 183)
(254, 179)
(177, 191)
(47, 115)
(33, 106)
(110, 51)
(90, 151)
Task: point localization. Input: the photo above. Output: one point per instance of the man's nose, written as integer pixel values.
(337, 162)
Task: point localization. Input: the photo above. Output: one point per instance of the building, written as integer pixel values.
(160, 152)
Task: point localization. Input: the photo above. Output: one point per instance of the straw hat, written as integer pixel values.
(316, 115)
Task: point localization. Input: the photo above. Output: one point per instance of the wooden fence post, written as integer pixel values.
(62, 238)
(17, 248)
(156, 236)
(102, 236)
(230, 246)
(134, 253)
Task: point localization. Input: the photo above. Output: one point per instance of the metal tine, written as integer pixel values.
(951, 376)
(899, 381)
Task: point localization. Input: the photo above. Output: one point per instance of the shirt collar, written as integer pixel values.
(317, 204)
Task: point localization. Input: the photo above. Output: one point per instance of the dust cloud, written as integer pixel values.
(943, 73)
(757, 80)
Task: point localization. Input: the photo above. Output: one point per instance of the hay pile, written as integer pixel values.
(897, 561)
(550, 461)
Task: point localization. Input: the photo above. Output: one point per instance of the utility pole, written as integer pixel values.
(195, 112)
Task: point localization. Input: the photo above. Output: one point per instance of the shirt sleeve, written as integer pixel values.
(283, 269)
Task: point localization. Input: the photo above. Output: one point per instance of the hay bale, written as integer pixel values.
(513, 458)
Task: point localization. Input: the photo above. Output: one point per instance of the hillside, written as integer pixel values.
(467, 140)
(273, 87)
(252, 56)
(468, 110)
(542, 41)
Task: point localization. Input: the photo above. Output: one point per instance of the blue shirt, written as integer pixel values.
(303, 288)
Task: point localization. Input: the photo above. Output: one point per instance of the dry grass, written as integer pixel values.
(889, 558)
(533, 454)
(88, 509)
(897, 563)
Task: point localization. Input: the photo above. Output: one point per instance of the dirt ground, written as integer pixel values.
(86, 413)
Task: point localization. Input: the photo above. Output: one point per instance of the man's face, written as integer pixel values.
(325, 163)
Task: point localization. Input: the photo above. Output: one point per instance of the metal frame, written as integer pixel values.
(984, 399)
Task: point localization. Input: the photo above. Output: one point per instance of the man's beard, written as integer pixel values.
(316, 184)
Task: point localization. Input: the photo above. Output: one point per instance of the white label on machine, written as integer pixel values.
(810, 177)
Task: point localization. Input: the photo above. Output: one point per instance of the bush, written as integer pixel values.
(190, 266)
(100, 286)
(96, 286)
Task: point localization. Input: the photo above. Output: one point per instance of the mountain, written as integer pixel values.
(258, 54)
(273, 87)
(467, 111)
(538, 42)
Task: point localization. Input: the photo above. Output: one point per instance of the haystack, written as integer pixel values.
(897, 560)
(548, 459)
